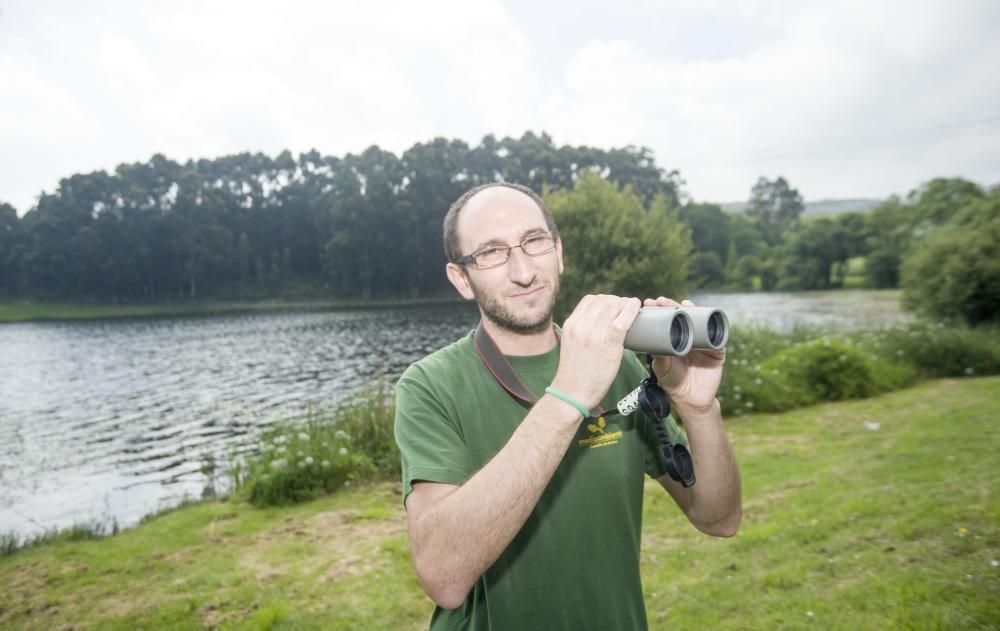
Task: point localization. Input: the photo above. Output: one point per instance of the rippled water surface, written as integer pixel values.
(112, 419)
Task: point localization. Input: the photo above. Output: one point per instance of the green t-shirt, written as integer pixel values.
(575, 562)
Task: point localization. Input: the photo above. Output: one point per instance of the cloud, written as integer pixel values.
(848, 99)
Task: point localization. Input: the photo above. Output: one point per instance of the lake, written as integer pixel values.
(112, 419)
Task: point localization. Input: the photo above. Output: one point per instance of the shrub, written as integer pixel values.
(302, 458)
(801, 369)
(954, 273)
(746, 387)
(940, 350)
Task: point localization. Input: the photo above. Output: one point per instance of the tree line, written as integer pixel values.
(362, 226)
(369, 226)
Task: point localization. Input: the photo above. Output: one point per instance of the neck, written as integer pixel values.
(517, 343)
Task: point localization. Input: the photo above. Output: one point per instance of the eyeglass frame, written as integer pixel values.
(471, 258)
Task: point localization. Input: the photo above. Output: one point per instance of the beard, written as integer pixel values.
(497, 312)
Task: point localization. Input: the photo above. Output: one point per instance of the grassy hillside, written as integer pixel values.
(878, 513)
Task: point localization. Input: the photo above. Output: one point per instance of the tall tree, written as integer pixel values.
(775, 207)
(613, 243)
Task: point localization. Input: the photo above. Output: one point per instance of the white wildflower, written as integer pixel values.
(280, 463)
(308, 460)
(325, 464)
(341, 435)
(303, 436)
(343, 451)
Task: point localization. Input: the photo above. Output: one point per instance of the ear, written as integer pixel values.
(456, 274)
(559, 254)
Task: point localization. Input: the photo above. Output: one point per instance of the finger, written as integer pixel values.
(687, 303)
(666, 302)
(627, 310)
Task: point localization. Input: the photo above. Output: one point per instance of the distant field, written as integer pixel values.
(870, 514)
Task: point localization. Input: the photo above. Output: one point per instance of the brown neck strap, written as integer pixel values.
(503, 372)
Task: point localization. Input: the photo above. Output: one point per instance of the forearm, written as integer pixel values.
(713, 504)
(463, 533)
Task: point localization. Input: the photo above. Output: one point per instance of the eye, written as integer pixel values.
(490, 254)
(537, 243)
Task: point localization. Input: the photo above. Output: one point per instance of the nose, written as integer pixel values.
(520, 267)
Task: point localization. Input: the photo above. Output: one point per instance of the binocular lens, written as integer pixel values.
(679, 333)
(716, 329)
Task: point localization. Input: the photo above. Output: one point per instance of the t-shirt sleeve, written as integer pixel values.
(431, 445)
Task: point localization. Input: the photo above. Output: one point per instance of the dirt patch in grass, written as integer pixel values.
(338, 539)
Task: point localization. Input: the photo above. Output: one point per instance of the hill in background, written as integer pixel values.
(822, 207)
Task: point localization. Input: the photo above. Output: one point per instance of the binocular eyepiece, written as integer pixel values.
(676, 330)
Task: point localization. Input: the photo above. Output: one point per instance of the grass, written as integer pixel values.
(32, 311)
(844, 528)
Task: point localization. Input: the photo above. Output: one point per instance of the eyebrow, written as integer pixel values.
(524, 235)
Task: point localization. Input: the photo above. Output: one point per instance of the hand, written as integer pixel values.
(691, 381)
(592, 345)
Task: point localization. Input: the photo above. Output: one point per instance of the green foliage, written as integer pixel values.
(709, 226)
(706, 270)
(300, 459)
(11, 542)
(882, 268)
(954, 274)
(770, 372)
(774, 207)
(614, 244)
(825, 370)
(249, 225)
(941, 350)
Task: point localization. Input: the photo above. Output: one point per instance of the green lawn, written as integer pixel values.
(844, 528)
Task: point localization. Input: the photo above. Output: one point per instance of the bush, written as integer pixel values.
(770, 372)
(746, 387)
(828, 370)
(300, 459)
(941, 350)
(954, 274)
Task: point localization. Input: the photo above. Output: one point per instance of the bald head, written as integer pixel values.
(482, 196)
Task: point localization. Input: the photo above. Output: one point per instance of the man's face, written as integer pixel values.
(519, 295)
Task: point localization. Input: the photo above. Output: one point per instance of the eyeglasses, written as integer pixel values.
(496, 255)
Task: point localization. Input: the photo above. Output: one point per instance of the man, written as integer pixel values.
(529, 518)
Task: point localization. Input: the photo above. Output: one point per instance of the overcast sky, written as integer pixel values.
(844, 99)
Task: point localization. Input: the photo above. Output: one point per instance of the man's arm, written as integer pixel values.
(458, 532)
(713, 504)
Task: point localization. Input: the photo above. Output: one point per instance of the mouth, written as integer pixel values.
(530, 293)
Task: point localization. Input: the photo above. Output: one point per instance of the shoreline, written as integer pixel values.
(836, 516)
(40, 311)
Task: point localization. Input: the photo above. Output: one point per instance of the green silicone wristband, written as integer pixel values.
(565, 398)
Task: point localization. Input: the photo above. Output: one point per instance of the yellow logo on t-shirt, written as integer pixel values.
(600, 438)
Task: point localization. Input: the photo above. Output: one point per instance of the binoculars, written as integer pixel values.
(676, 330)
